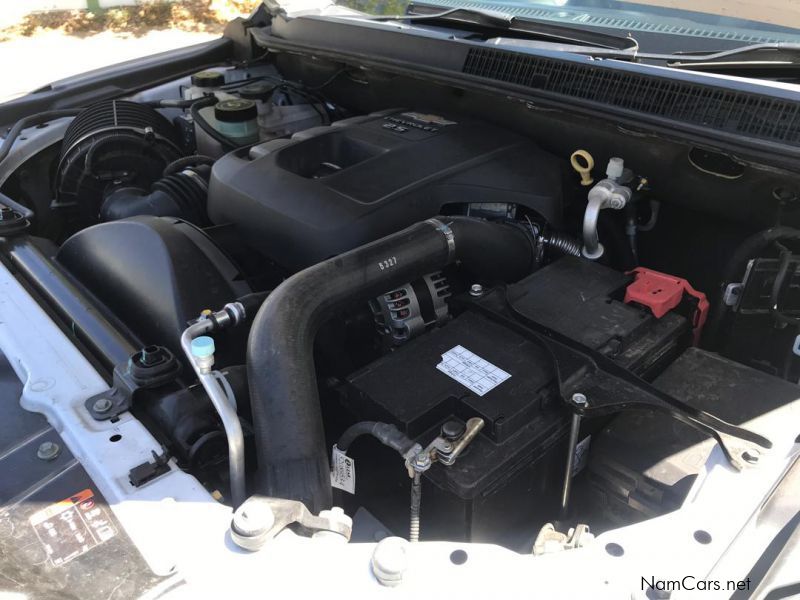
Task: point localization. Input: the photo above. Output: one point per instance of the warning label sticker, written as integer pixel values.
(343, 471)
(471, 370)
(72, 527)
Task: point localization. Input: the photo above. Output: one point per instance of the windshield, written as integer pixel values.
(710, 23)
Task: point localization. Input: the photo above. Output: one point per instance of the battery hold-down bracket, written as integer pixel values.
(613, 388)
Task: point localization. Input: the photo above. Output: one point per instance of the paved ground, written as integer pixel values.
(779, 12)
(29, 63)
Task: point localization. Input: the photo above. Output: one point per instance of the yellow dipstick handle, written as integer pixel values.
(583, 163)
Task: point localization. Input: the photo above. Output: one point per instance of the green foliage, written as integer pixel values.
(377, 7)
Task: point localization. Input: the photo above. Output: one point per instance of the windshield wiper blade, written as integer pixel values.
(422, 13)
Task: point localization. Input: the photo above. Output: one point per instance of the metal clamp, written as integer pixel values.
(446, 448)
(449, 236)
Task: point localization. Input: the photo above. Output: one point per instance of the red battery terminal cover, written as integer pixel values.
(662, 293)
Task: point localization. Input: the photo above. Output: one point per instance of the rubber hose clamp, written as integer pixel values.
(449, 236)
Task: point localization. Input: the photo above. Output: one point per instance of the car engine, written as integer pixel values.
(447, 326)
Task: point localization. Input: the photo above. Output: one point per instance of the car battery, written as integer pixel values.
(507, 483)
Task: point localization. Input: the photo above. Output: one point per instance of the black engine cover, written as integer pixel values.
(330, 189)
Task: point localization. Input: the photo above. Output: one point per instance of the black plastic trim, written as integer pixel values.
(441, 58)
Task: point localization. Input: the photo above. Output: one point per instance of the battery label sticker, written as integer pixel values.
(471, 370)
(72, 527)
(343, 471)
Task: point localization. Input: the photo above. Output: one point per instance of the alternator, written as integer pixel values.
(407, 311)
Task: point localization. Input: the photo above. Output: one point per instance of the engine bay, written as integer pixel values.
(450, 327)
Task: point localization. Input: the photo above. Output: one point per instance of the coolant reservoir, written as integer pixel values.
(203, 83)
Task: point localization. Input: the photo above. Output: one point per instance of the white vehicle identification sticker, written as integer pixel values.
(343, 471)
(471, 370)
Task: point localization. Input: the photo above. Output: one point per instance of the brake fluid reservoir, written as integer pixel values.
(234, 118)
(237, 119)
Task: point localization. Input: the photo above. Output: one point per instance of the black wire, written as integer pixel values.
(306, 92)
(170, 103)
(328, 81)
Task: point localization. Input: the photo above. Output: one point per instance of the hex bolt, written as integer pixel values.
(476, 290)
(48, 451)
(580, 400)
(102, 405)
(422, 461)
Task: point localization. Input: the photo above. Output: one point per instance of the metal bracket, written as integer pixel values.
(444, 449)
(614, 388)
(260, 518)
(550, 540)
(149, 367)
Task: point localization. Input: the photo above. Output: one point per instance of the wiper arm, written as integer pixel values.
(511, 23)
(629, 54)
(780, 61)
(760, 53)
(478, 16)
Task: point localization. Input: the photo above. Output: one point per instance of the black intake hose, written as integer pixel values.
(289, 434)
(181, 195)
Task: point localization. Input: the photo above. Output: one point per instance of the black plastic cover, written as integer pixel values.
(644, 463)
(583, 301)
(156, 274)
(330, 189)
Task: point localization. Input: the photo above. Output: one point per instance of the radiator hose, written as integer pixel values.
(289, 434)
